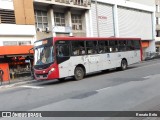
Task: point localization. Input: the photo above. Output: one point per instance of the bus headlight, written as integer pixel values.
(53, 69)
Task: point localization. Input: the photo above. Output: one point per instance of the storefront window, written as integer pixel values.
(19, 66)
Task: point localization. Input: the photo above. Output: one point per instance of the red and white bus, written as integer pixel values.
(61, 57)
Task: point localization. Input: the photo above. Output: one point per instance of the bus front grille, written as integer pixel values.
(41, 75)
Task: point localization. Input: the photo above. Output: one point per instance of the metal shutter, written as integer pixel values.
(134, 23)
(106, 27)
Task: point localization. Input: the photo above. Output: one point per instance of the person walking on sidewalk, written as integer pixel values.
(1, 75)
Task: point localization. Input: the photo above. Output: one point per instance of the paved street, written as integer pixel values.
(135, 89)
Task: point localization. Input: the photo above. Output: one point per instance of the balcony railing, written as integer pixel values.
(84, 3)
(75, 2)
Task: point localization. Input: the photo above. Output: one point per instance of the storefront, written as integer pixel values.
(16, 61)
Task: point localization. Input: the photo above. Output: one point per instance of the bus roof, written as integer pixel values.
(88, 38)
(94, 38)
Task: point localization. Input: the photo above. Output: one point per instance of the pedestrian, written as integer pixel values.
(1, 75)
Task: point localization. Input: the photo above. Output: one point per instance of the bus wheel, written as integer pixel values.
(79, 73)
(124, 65)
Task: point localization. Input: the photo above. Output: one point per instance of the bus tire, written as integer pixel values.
(79, 73)
(123, 64)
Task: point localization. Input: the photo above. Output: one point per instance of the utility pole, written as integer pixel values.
(97, 18)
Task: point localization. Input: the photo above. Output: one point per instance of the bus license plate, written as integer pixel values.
(41, 76)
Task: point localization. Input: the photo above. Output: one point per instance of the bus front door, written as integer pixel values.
(63, 56)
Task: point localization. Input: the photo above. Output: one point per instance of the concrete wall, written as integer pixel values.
(8, 4)
(144, 2)
(14, 32)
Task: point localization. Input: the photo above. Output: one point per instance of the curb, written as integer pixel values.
(16, 84)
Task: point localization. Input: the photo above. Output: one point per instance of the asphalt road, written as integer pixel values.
(135, 89)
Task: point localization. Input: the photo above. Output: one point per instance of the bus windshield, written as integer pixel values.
(44, 55)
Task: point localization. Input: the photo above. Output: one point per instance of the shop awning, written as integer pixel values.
(15, 50)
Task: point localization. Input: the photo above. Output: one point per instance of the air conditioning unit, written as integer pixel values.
(75, 2)
(89, 2)
(85, 2)
(47, 30)
(62, 1)
(39, 29)
(68, 1)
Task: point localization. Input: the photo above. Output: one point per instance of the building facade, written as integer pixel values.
(17, 33)
(61, 18)
(125, 18)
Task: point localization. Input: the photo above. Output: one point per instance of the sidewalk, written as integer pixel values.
(16, 82)
(151, 58)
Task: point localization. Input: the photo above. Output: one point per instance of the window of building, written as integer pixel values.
(24, 42)
(157, 8)
(158, 33)
(9, 43)
(41, 19)
(76, 22)
(157, 21)
(7, 16)
(59, 19)
(13, 43)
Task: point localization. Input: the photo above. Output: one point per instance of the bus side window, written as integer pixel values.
(63, 50)
(137, 44)
(130, 45)
(78, 48)
(122, 45)
(101, 45)
(107, 48)
(92, 47)
(113, 46)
